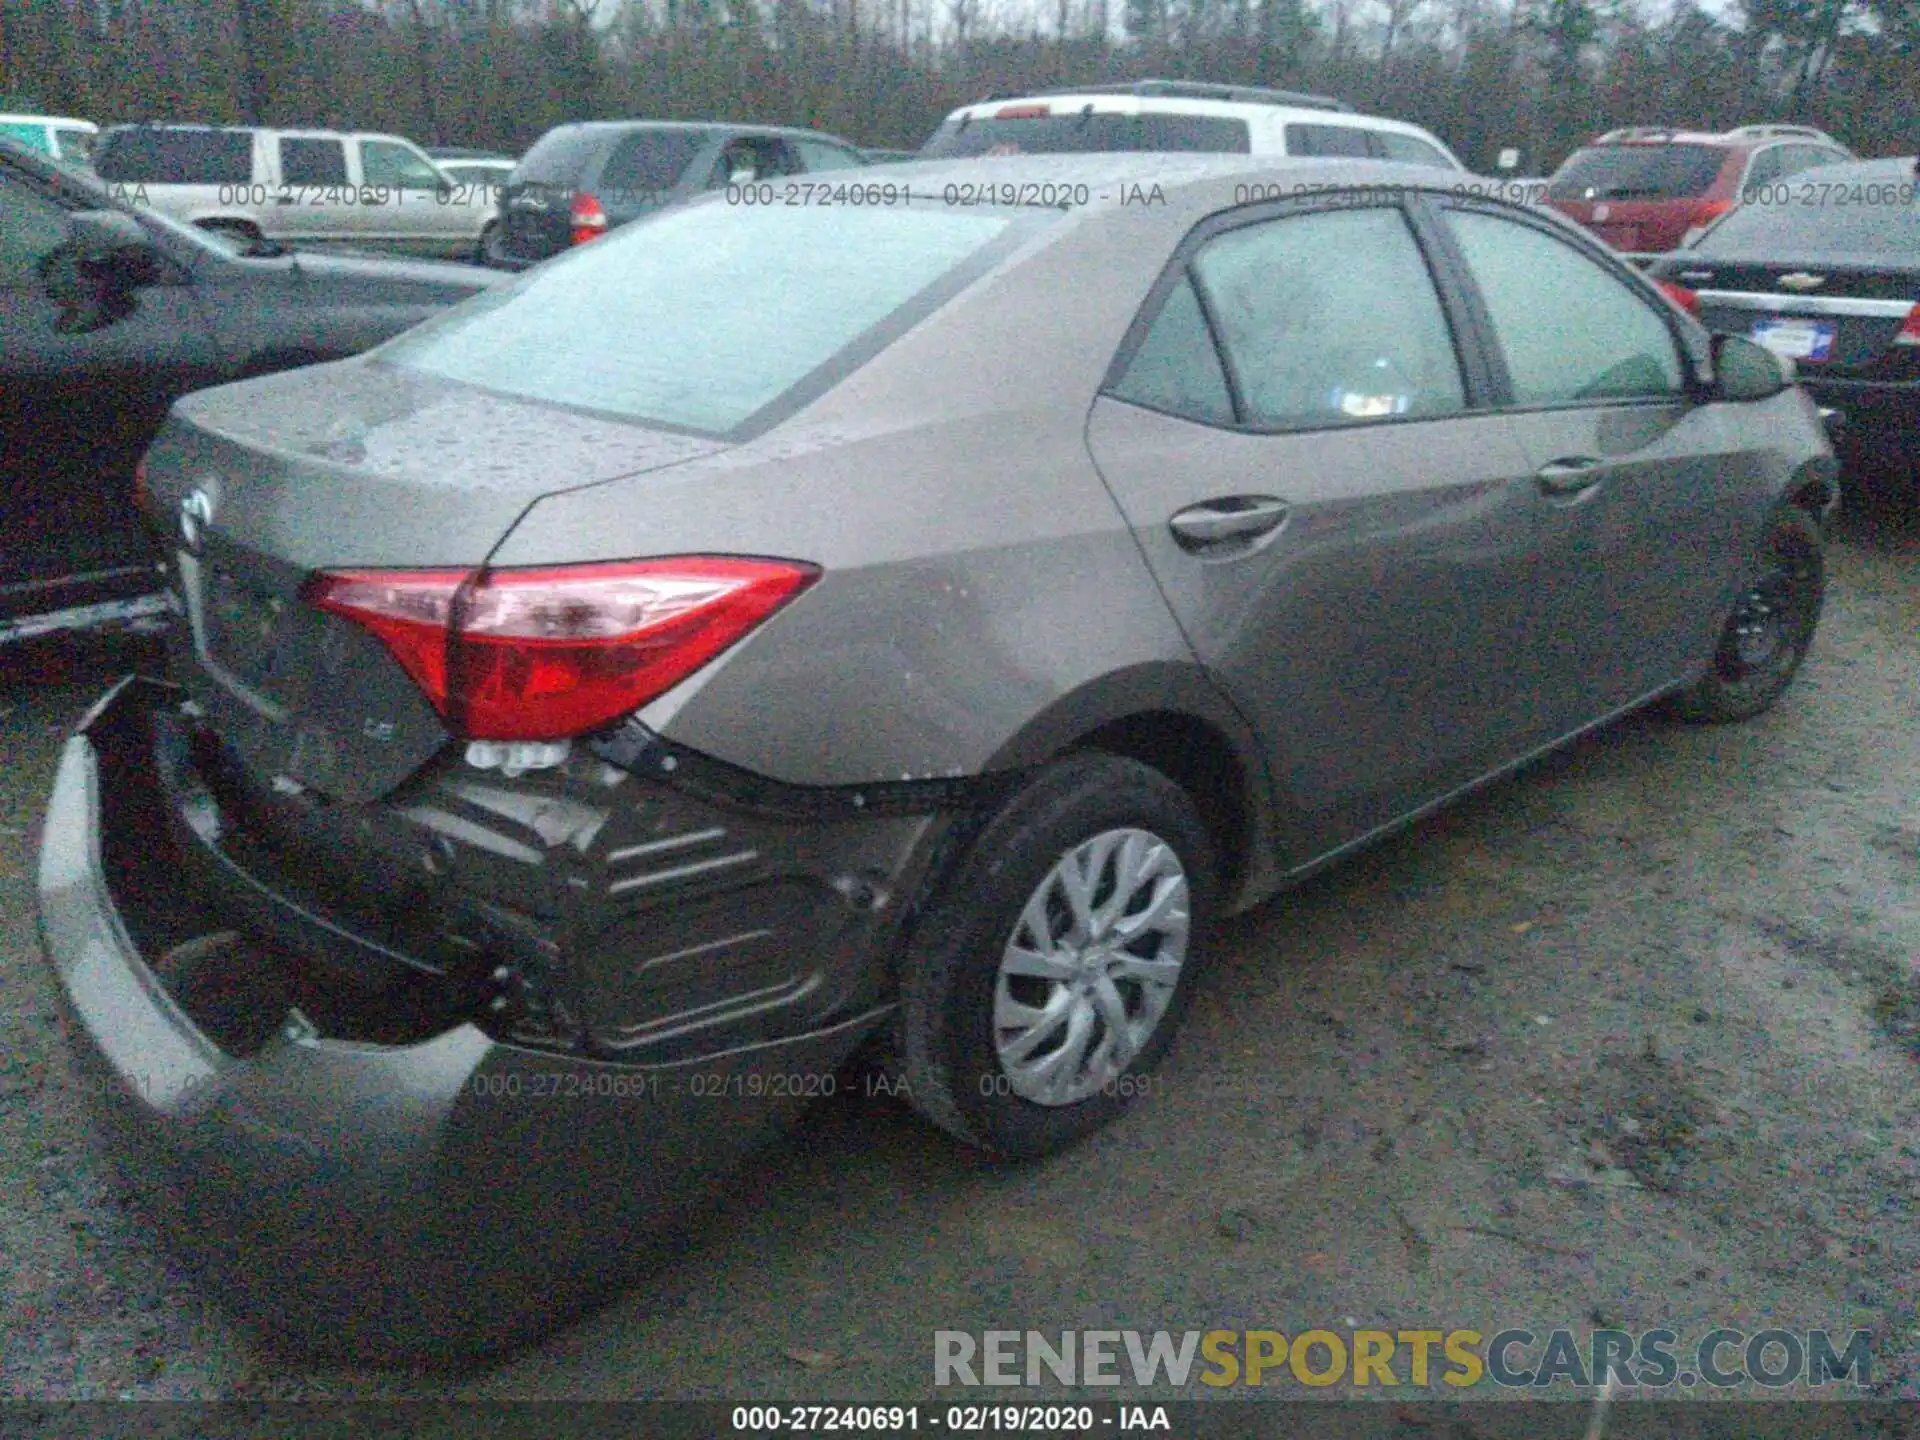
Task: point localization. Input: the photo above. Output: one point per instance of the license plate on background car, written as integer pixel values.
(1796, 339)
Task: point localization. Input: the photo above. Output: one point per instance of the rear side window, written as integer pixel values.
(1177, 369)
(560, 156)
(1329, 140)
(736, 305)
(1079, 133)
(313, 162)
(1331, 319)
(647, 164)
(74, 144)
(176, 157)
(1638, 172)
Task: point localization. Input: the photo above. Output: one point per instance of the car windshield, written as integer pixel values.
(1637, 172)
(1876, 214)
(707, 314)
(1082, 132)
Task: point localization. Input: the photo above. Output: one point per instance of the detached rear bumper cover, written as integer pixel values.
(456, 1194)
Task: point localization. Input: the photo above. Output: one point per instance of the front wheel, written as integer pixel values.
(1766, 635)
(1048, 977)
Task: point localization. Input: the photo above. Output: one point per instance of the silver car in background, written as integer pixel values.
(778, 627)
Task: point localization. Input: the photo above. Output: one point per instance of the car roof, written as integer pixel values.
(1845, 172)
(1134, 102)
(729, 127)
(24, 119)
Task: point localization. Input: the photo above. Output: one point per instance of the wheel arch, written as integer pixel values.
(1174, 718)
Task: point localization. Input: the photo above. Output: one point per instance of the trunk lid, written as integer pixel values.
(1829, 315)
(347, 466)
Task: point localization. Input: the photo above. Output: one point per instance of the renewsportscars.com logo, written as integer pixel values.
(1513, 1358)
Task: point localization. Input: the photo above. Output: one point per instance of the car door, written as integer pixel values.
(315, 201)
(1644, 498)
(1292, 434)
(409, 205)
(81, 394)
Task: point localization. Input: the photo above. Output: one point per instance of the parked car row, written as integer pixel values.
(109, 313)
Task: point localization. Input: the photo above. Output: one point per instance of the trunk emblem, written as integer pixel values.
(196, 512)
(1801, 280)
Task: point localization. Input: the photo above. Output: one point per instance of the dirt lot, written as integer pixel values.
(1629, 1040)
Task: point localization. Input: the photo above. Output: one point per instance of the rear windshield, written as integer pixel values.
(560, 156)
(705, 315)
(175, 157)
(1637, 172)
(1074, 132)
(647, 162)
(1877, 214)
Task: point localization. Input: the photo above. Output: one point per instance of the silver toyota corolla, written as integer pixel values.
(917, 613)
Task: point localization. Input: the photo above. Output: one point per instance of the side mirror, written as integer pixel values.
(113, 249)
(1509, 159)
(741, 175)
(1743, 370)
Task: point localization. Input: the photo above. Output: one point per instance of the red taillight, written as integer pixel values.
(1910, 332)
(142, 495)
(1708, 211)
(1022, 112)
(552, 653)
(1681, 296)
(586, 217)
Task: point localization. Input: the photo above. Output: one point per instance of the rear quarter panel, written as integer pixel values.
(977, 572)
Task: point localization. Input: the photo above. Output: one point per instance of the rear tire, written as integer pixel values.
(1056, 961)
(1766, 635)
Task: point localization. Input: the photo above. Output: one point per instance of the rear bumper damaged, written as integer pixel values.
(473, 1144)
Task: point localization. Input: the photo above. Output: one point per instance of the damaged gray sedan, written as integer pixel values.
(775, 628)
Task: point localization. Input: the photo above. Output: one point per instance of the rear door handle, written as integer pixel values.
(1236, 517)
(1569, 476)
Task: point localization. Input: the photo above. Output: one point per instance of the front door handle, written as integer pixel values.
(1569, 476)
(1237, 517)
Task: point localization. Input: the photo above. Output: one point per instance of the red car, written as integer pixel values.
(1645, 189)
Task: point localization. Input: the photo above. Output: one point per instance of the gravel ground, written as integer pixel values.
(1627, 1040)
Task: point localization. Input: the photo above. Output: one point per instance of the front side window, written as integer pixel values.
(73, 144)
(31, 228)
(818, 155)
(1177, 367)
(1410, 150)
(1331, 318)
(1569, 330)
(382, 162)
(704, 315)
(313, 162)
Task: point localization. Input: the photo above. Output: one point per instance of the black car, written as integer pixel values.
(580, 180)
(108, 314)
(1824, 267)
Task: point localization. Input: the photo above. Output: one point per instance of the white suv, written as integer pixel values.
(299, 188)
(1181, 115)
